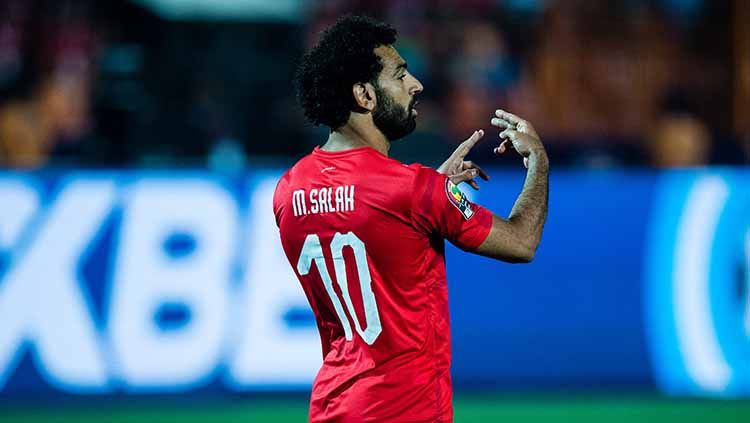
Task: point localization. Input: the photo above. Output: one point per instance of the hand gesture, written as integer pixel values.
(460, 170)
(519, 133)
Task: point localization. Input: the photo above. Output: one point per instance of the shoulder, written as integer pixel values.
(409, 172)
(283, 182)
(301, 170)
(408, 184)
(282, 186)
(426, 178)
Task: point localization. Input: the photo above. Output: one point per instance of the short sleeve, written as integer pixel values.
(440, 208)
(278, 196)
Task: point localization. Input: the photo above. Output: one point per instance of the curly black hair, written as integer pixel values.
(343, 57)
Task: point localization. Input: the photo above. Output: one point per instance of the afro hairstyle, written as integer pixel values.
(343, 57)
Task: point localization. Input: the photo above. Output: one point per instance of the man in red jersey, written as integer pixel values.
(365, 233)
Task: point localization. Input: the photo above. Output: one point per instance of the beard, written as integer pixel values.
(393, 120)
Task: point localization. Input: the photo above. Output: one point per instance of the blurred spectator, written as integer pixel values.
(54, 115)
(680, 138)
(680, 141)
(481, 70)
(114, 83)
(52, 112)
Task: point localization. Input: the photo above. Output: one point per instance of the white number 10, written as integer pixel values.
(313, 251)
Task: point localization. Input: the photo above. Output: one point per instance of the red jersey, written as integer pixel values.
(364, 234)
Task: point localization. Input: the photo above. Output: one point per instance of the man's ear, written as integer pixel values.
(364, 96)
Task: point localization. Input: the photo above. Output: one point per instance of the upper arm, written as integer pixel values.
(439, 208)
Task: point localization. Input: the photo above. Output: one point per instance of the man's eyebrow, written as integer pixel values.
(402, 65)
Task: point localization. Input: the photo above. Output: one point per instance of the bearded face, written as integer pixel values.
(392, 119)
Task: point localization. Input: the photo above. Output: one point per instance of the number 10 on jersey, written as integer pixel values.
(312, 251)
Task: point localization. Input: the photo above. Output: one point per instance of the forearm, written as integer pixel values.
(530, 210)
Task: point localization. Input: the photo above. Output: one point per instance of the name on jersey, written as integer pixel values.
(323, 200)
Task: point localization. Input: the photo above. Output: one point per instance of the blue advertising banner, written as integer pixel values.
(573, 316)
(167, 282)
(698, 284)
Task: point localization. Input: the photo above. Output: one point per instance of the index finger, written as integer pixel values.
(510, 117)
(502, 123)
(466, 146)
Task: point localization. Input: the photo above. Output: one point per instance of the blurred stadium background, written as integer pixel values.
(141, 278)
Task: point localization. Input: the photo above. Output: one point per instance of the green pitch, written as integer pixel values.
(546, 409)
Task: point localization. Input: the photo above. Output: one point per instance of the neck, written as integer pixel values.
(352, 135)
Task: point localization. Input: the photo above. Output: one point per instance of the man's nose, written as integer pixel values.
(417, 88)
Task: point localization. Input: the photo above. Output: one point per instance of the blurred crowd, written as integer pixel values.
(616, 83)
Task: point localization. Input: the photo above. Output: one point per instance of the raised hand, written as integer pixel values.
(460, 170)
(519, 133)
